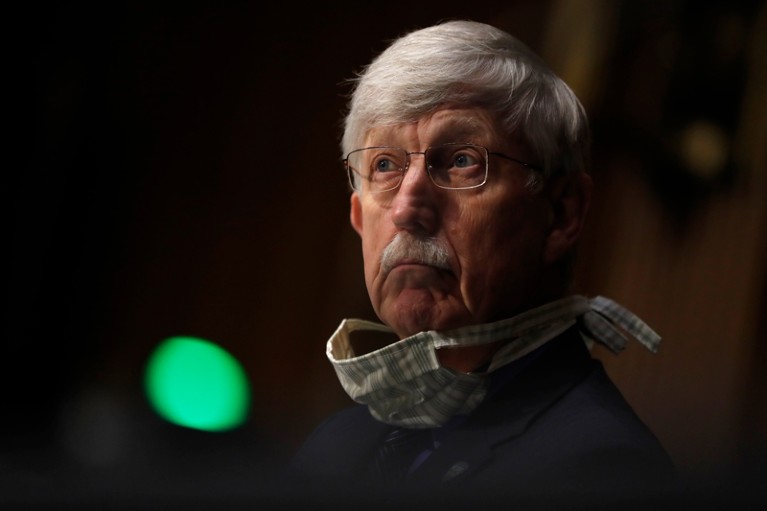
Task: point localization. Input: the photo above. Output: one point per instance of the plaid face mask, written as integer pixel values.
(403, 383)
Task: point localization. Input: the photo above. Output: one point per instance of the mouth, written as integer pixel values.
(415, 263)
(407, 250)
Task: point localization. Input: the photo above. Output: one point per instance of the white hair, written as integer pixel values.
(471, 63)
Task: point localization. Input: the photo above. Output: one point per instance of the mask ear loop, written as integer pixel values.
(607, 321)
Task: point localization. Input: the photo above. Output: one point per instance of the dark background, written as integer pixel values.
(180, 174)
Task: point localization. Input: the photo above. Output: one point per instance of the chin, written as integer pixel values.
(417, 319)
(407, 323)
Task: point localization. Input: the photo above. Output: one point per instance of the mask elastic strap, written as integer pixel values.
(607, 321)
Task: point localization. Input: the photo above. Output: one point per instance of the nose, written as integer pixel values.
(415, 206)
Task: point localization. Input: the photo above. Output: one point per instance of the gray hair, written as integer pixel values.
(471, 63)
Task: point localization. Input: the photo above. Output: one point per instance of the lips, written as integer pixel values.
(414, 262)
(411, 261)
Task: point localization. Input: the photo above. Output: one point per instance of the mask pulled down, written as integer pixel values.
(403, 383)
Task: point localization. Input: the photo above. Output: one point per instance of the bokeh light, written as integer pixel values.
(197, 384)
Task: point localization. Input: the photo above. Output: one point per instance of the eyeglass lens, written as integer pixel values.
(449, 166)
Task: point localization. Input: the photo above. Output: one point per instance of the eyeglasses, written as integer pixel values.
(454, 166)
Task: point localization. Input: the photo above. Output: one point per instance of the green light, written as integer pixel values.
(197, 384)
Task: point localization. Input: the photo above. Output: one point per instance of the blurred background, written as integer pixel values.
(181, 176)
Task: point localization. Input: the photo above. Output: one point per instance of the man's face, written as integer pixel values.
(495, 235)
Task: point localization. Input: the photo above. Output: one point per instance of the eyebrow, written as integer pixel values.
(460, 133)
(452, 130)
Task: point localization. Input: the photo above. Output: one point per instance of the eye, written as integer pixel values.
(457, 165)
(457, 157)
(384, 163)
(464, 159)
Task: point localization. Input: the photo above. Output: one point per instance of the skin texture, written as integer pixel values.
(503, 240)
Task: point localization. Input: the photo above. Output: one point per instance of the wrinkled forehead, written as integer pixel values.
(447, 124)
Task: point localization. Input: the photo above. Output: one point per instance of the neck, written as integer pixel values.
(467, 359)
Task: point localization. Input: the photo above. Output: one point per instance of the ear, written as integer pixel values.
(570, 200)
(355, 213)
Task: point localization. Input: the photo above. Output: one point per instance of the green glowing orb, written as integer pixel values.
(197, 384)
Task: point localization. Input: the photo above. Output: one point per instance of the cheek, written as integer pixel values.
(373, 242)
(482, 228)
(499, 249)
(470, 237)
(369, 254)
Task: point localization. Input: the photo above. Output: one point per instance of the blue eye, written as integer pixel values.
(464, 160)
(380, 168)
(457, 165)
(385, 165)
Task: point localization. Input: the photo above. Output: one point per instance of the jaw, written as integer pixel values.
(412, 300)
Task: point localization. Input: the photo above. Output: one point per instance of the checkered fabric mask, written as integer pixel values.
(403, 383)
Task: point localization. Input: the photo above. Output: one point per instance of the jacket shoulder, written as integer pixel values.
(338, 448)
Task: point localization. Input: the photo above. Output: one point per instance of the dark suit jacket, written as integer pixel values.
(553, 424)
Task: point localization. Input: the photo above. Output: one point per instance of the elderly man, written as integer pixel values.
(467, 161)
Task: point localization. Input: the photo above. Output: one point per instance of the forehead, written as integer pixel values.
(448, 124)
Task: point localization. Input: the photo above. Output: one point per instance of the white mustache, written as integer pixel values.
(407, 247)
